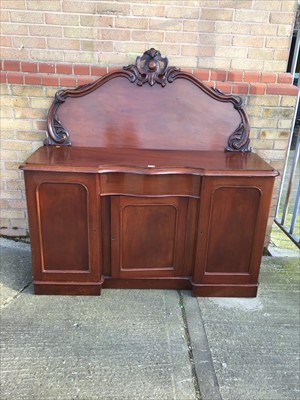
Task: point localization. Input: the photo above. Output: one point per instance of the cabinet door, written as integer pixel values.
(64, 226)
(148, 236)
(232, 223)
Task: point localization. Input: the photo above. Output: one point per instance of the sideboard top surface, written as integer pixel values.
(86, 159)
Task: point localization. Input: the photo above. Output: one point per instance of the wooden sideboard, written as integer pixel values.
(133, 188)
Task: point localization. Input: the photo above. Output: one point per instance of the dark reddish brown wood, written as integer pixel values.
(65, 204)
(151, 68)
(105, 207)
(225, 290)
(64, 229)
(147, 236)
(147, 283)
(194, 116)
(117, 160)
(223, 252)
(190, 238)
(150, 185)
(121, 106)
(146, 197)
(232, 223)
(69, 288)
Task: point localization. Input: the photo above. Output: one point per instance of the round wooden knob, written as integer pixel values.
(152, 65)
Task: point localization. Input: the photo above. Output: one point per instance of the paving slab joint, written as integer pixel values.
(203, 362)
(8, 301)
(190, 348)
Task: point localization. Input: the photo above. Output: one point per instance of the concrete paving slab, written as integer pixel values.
(149, 344)
(254, 343)
(122, 345)
(275, 251)
(126, 344)
(15, 271)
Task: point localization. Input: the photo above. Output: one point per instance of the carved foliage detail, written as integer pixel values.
(239, 139)
(151, 68)
(57, 134)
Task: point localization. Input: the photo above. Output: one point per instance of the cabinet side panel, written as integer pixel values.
(231, 230)
(63, 215)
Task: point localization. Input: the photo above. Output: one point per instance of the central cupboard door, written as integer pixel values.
(147, 236)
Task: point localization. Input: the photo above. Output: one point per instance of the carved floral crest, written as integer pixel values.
(151, 68)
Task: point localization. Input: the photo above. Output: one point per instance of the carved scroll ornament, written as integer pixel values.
(57, 134)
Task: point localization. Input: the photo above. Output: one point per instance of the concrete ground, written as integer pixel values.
(149, 344)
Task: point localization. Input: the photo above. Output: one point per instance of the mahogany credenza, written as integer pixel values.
(146, 180)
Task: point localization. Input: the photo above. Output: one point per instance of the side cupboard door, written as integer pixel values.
(232, 223)
(64, 226)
